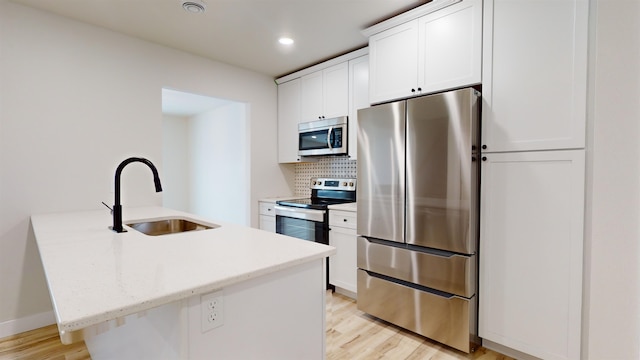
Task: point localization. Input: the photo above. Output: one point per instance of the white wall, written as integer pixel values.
(175, 162)
(612, 242)
(76, 100)
(218, 148)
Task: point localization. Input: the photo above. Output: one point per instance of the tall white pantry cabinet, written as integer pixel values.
(532, 185)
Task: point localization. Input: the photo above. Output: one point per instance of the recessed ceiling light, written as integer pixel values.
(285, 41)
(194, 7)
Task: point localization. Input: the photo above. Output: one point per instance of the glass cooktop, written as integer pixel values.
(312, 203)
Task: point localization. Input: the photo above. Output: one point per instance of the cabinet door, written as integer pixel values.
(343, 267)
(531, 251)
(450, 47)
(311, 97)
(358, 98)
(534, 74)
(268, 223)
(335, 92)
(393, 60)
(288, 117)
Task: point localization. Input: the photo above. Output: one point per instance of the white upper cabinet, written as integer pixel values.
(288, 118)
(534, 75)
(335, 91)
(358, 98)
(438, 51)
(311, 97)
(450, 47)
(337, 87)
(325, 93)
(393, 63)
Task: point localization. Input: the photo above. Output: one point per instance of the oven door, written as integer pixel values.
(305, 224)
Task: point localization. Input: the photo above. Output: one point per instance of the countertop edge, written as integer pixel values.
(73, 324)
(82, 323)
(353, 207)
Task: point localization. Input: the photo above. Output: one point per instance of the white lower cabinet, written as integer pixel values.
(532, 215)
(267, 216)
(343, 267)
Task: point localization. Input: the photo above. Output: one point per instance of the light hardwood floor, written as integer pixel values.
(354, 335)
(41, 344)
(351, 335)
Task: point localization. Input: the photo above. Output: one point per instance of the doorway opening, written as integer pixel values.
(205, 156)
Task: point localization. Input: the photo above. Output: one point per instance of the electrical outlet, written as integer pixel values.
(212, 310)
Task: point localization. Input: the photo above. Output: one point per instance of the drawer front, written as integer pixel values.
(266, 208)
(452, 273)
(346, 219)
(448, 320)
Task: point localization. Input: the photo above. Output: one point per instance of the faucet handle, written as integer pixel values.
(108, 207)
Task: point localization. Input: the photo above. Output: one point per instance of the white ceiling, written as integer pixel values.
(240, 32)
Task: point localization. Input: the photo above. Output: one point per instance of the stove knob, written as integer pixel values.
(319, 182)
(344, 183)
(350, 184)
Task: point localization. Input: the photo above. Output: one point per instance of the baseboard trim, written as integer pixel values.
(17, 326)
(507, 351)
(346, 293)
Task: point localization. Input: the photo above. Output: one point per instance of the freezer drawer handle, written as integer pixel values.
(443, 294)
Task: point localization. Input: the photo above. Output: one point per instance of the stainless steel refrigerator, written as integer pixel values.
(418, 215)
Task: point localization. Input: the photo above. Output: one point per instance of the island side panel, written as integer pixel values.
(276, 316)
(151, 334)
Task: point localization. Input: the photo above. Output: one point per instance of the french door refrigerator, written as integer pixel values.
(417, 224)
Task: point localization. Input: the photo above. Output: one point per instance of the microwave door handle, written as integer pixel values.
(329, 137)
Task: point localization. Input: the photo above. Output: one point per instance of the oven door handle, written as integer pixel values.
(298, 213)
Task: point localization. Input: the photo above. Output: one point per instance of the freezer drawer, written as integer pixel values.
(439, 270)
(449, 320)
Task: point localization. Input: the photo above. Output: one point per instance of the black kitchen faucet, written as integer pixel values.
(117, 208)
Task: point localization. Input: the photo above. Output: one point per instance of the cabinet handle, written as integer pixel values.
(413, 90)
(484, 158)
(484, 147)
(419, 89)
(473, 158)
(345, 220)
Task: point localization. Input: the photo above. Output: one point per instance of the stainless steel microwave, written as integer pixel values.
(323, 137)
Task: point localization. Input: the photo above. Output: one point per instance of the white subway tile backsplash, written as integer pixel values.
(340, 167)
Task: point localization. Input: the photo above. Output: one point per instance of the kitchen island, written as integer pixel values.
(132, 295)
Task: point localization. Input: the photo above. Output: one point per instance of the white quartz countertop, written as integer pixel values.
(352, 206)
(95, 274)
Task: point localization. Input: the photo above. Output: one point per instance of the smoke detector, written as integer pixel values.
(194, 7)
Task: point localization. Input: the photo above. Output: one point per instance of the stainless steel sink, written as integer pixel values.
(170, 226)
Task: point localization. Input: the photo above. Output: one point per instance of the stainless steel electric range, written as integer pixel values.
(308, 218)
